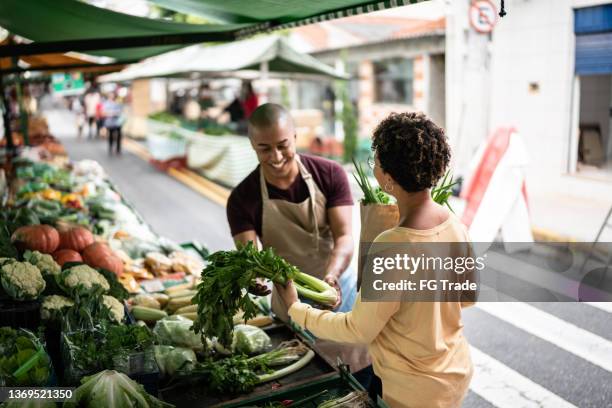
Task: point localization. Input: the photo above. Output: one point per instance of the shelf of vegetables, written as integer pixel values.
(91, 297)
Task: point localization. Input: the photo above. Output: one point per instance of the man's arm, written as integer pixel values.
(246, 236)
(340, 221)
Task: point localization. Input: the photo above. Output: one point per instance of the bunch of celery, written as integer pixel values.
(226, 279)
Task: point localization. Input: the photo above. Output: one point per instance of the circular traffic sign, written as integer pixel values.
(483, 16)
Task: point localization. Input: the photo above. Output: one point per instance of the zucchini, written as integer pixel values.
(176, 303)
(162, 298)
(147, 314)
(146, 301)
(187, 309)
(183, 293)
(177, 288)
(258, 321)
(190, 316)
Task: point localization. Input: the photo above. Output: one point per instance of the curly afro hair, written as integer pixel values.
(412, 149)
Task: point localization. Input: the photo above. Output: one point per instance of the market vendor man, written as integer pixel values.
(301, 206)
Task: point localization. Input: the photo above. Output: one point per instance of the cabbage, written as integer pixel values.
(171, 359)
(176, 331)
(250, 340)
(109, 388)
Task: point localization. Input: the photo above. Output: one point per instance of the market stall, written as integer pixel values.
(127, 316)
(93, 296)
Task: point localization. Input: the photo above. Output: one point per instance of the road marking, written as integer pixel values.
(569, 337)
(605, 306)
(506, 388)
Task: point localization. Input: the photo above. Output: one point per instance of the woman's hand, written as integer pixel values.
(288, 293)
(332, 281)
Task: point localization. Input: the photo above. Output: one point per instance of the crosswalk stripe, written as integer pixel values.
(569, 337)
(605, 306)
(506, 388)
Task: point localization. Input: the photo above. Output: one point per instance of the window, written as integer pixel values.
(394, 80)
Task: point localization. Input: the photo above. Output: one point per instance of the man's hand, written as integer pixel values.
(259, 288)
(332, 280)
(287, 293)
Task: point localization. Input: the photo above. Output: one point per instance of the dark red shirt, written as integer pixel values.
(244, 207)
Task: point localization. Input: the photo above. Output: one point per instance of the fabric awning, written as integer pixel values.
(71, 25)
(65, 20)
(237, 56)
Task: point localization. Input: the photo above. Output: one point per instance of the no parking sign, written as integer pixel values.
(483, 16)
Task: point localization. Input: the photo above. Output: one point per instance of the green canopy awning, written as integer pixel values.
(71, 25)
(65, 20)
(222, 59)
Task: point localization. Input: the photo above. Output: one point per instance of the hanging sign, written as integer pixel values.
(65, 83)
(483, 16)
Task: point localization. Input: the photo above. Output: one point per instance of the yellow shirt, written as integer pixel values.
(417, 348)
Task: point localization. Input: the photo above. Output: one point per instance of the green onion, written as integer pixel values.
(355, 399)
(298, 365)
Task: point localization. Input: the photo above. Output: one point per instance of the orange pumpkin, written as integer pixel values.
(77, 239)
(66, 255)
(42, 238)
(98, 255)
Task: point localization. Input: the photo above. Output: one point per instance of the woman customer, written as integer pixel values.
(417, 348)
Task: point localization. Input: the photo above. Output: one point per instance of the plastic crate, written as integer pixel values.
(20, 314)
(311, 394)
(194, 395)
(197, 248)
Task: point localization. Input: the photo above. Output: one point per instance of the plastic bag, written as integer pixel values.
(250, 340)
(24, 361)
(176, 331)
(171, 359)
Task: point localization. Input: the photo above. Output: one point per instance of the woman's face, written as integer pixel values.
(379, 174)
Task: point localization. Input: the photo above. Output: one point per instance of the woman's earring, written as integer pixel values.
(388, 187)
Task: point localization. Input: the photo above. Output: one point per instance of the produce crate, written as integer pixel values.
(20, 314)
(194, 395)
(140, 366)
(196, 248)
(311, 394)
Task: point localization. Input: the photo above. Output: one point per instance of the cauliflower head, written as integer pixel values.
(44, 262)
(53, 306)
(82, 278)
(22, 280)
(115, 307)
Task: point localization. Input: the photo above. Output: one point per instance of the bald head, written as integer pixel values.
(270, 115)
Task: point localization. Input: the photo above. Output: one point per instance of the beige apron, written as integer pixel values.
(300, 233)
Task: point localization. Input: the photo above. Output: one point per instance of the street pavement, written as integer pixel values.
(525, 354)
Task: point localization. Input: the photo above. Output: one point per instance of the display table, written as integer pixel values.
(227, 159)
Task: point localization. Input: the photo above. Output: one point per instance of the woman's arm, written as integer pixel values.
(361, 325)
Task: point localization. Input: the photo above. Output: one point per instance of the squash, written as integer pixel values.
(76, 238)
(98, 255)
(62, 256)
(41, 238)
